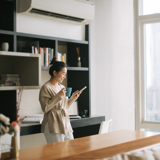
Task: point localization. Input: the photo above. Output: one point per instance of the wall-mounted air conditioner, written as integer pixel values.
(74, 11)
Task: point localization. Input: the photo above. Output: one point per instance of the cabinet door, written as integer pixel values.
(77, 80)
(6, 15)
(8, 104)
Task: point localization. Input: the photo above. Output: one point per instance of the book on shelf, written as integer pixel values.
(61, 57)
(32, 49)
(52, 53)
(10, 78)
(9, 83)
(33, 118)
(9, 75)
(12, 84)
(34, 44)
(49, 56)
(65, 60)
(35, 50)
(41, 51)
(45, 56)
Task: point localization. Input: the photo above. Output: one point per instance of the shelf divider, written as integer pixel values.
(68, 68)
(50, 38)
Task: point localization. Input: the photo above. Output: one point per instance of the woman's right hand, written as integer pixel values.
(62, 92)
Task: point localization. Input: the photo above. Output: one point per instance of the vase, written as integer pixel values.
(18, 139)
(5, 46)
(14, 147)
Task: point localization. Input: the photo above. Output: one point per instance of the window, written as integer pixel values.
(147, 62)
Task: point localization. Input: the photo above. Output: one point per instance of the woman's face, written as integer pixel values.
(61, 75)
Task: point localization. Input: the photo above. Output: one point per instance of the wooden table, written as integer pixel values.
(91, 147)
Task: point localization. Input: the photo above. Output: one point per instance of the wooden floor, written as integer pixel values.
(92, 147)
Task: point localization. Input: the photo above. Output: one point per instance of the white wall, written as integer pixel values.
(112, 62)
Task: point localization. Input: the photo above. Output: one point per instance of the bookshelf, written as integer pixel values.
(27, 65)
(77, 77)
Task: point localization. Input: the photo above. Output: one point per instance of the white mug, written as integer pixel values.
(5, 46)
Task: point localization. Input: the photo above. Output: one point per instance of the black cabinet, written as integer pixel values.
(81, 127)
(6, 15)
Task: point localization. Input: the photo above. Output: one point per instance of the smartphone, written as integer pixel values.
(82, 89)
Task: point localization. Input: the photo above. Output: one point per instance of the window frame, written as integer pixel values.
(140, 70)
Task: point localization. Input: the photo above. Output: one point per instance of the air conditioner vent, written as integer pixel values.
(52, 14)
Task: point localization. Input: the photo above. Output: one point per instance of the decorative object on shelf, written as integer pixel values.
(83, 113)
(5, 46)
(79, 58)
(19, 97)
(79, 62)
(6, 127)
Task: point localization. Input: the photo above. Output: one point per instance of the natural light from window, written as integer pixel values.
(152, 54)
(149, 7)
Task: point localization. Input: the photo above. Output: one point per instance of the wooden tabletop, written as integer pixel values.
(92, 147)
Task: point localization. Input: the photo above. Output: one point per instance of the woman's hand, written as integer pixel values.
(77, 93)
(62, 92)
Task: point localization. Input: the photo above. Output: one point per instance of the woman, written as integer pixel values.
(56, 124)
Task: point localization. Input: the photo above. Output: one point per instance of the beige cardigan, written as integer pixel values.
(55, 109)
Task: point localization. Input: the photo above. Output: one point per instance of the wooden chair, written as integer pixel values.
(105, 126)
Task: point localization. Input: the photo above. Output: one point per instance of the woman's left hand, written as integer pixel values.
(77, 93)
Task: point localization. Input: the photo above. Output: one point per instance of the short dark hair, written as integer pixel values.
(56, 66)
